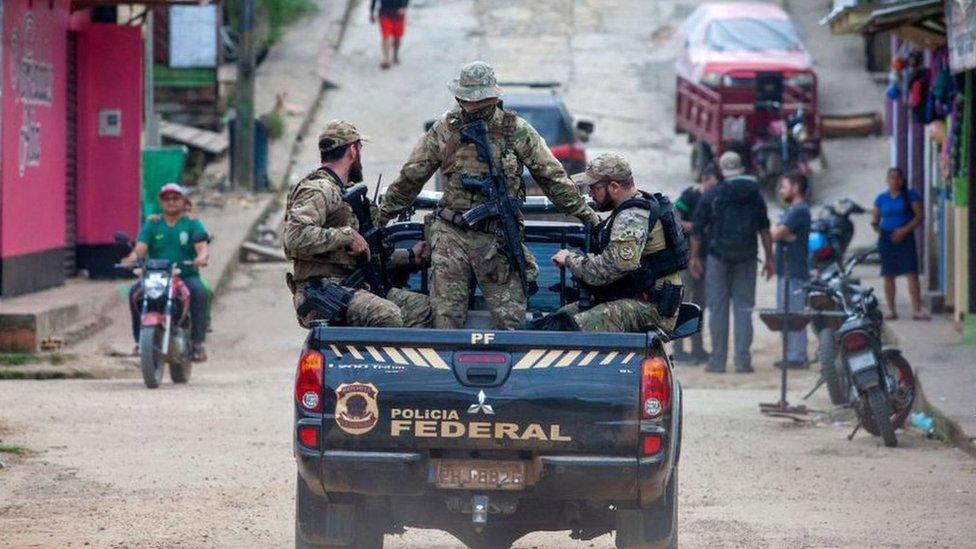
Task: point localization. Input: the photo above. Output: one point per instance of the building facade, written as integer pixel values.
(71, 112)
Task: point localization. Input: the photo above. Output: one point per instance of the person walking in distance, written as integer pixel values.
(731, 214)
(392, 16)
(792, 238)
(461, 250)
(686, 205)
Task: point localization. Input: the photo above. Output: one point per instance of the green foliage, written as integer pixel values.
(15, 449)
(274, 123)
(21, 359)
(271, 16)
(285, 12)
(18, 359)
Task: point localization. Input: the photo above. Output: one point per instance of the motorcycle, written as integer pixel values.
(164, 333)
(831, 233)
(878, 382)
(785, 148)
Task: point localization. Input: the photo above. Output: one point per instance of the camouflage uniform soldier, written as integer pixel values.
(457, 253)
(635, 278)
(321, 237)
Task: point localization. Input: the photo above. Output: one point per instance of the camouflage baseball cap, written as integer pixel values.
(476, 82)
(605, 167)
(338, 133)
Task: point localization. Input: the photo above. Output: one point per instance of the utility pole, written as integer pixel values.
(243, 160)
(149, 96)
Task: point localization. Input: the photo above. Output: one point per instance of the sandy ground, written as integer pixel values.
(112, 464)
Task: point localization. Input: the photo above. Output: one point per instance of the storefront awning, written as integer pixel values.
(847, 16)
(919, 21)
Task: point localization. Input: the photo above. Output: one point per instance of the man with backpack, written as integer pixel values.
(731, 214)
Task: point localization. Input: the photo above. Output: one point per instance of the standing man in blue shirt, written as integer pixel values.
(792, 238)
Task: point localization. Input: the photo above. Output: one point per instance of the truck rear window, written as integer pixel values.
(547, 121)
(545, 300)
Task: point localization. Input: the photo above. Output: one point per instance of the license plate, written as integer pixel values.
(480, 475)
(861, 361)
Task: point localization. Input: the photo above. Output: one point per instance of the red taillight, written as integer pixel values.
(655, 387)
(308, 435)
(480, 358)
(824, 254)
(569, 153)
(308, 381)
(855, 341)
(652, 444)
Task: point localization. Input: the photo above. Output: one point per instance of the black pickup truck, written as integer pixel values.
(488, 435)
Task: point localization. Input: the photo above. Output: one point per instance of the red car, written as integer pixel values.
(745, 83)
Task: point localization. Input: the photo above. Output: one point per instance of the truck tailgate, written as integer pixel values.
(396, 389)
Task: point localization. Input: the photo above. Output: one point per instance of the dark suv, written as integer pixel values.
(547, 113)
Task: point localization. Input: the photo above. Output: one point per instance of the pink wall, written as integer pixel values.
(109, 79)
(32, 207)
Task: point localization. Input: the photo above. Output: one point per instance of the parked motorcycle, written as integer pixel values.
(831, 233)
(878, 381)
(786, 148)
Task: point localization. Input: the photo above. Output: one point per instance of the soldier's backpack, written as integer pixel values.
(733, 229)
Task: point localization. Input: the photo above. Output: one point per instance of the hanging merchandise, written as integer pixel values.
(917, 97)
(893, 91)
(936, 131)
(943, 85)
(916, 87)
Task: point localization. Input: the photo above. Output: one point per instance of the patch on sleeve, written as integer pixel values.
(628, 251)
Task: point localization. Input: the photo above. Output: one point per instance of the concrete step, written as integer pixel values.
(51, 318)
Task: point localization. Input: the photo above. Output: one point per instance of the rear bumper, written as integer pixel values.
(557, 477)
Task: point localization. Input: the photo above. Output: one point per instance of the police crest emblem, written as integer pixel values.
(356, 409)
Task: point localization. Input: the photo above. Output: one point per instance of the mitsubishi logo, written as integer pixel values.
(480, 406)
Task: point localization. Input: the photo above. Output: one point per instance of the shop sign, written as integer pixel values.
(32, 81)
(961, 19)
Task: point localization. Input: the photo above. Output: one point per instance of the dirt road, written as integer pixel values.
(112, 464)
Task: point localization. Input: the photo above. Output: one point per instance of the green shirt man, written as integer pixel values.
(173, 242)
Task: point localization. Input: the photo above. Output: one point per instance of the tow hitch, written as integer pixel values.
(480, 506)
(479, 512)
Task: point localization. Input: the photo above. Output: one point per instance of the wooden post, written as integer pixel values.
(243, 160)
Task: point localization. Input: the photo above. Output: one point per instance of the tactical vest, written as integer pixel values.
(462, 159)
(334, 263)
(654, 266)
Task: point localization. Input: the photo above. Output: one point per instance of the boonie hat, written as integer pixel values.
(172, 188)
(338, 133)
(605, 167)
(476, 82)
(730, 163)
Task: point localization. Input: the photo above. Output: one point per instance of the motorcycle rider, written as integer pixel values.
(321, 238)
(175, 237)
(635, 278)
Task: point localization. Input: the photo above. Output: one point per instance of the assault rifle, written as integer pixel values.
(372, 271)
(584, 290)
(497, 204)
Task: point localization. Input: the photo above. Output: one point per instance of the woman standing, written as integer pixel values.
(896, 214)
